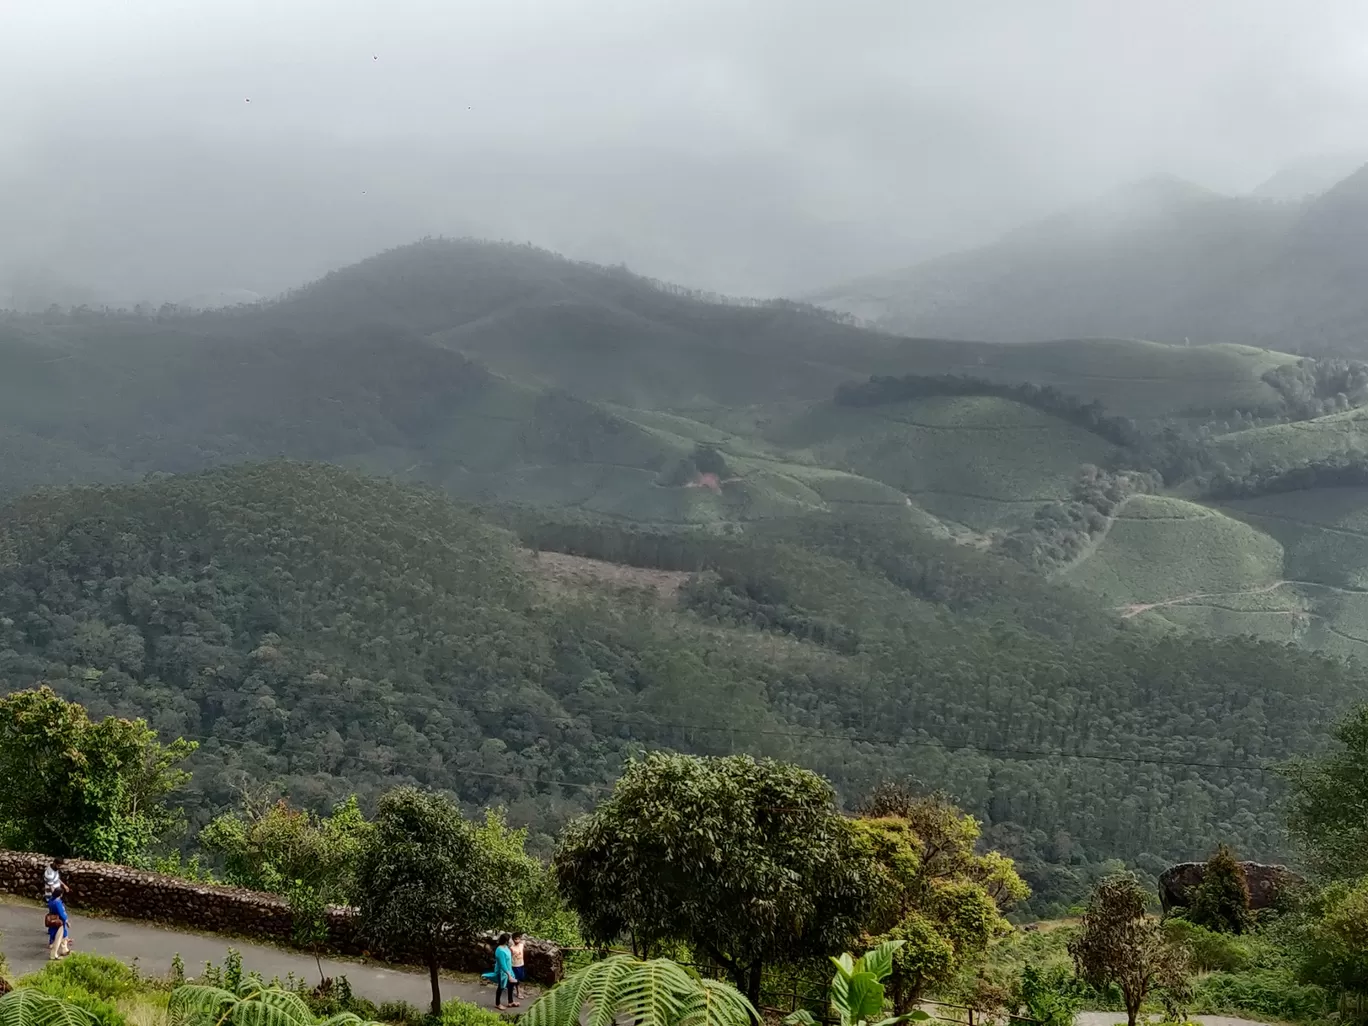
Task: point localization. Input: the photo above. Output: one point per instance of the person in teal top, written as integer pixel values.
(504, 977)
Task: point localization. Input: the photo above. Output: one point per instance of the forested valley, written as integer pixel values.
(306, 535)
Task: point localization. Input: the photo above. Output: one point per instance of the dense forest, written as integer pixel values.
(334, 634)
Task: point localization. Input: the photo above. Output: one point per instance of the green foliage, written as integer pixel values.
(942, 900)
(657, 992)
(1333, 939)
(745, 861)
(1120, 945)
(540, 911)
(1273, 994)
(1326, 794)
(98, 975)
(856, 993)
(29, 1006)
(463, 1013)
(341, 635)
(93, 788)
(1052, 996)
(251, 1003)
(271, 846)
(1221, 900)
(425, 871)
(1210, 950)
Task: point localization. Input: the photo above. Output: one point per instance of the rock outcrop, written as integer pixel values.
(1177, 884)
(134, 894)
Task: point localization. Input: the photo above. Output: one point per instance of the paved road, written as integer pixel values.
(24, 942)
(1112, 1018)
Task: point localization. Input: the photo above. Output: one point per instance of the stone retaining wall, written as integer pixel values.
(133, 894)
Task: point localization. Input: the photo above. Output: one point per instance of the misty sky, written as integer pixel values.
(751, 146)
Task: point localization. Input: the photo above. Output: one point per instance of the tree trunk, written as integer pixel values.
(436, 985)
(753, 983)
(1132, 1011)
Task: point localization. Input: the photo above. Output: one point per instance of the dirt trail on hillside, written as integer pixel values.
(1136, 608)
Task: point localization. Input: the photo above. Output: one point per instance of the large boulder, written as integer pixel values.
(1178, 884)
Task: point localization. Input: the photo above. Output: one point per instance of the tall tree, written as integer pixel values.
(1120, 944)
(746, 861)
(1221, 901)
(936, 893)
(1329, 794)
(76, 786)
(424, 875)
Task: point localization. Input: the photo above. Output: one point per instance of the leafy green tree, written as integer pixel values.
(1052, 997)
(272, 846)
(424, 875)
(1332, 939)
(658, 992)
(1221, 900)
(746, 861)
(936, 893)
(97, 789)
(541, 911)
(1328, 795)
(1120, 944)
(856, 993)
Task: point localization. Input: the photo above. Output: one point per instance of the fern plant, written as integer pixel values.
(658, 992)
(857, 991)
(252, 1003)
(29, 1007)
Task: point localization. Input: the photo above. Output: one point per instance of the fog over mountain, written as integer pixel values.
(163, 151)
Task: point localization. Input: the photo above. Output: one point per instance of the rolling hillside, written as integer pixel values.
(978, 461)
(1162, 259)
(341, 634)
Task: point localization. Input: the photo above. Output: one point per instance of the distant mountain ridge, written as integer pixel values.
(1163, 259)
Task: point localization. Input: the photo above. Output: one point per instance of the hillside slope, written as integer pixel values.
(1161, 260)
(340, 634)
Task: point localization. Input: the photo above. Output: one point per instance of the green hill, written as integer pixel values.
(1296, 443)
(977, 461)
(1131, 378)
(340, 633)
(1161, 259)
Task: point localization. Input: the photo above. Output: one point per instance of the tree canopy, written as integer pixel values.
(98, 789)
(424, 874)
(747, 861)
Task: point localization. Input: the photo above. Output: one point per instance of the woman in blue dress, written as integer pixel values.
(59, 926)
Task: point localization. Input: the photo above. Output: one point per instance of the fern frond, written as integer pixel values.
(194, 1002)
(28, 1007)
(655, 993)
(715, 1003)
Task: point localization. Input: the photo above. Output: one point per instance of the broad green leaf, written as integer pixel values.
(878, 961)
(864, 998)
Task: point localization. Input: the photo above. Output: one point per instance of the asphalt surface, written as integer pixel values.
(23, 939)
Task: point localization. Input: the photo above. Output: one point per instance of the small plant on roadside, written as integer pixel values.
(857, 990)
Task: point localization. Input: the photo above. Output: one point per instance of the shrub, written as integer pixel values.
(1266, 993)
(401, 1013)
(462, 1013)
(1221, 901)
(97, 975)
(1208, 949)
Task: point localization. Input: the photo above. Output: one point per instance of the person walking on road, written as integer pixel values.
(504, 977)
(57, 923)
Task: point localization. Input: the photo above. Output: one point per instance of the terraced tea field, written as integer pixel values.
(1291, 444)
(1132, 378)
(979, 461)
